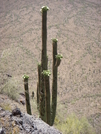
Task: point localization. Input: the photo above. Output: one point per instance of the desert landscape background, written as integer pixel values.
(77, 26)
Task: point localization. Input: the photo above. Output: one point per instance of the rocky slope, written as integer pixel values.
(16, 122)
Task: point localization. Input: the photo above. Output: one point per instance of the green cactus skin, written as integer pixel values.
(38, 87)
(54, 82)
(46, 74)
(28, 107)
(58, 59)
(56, 62)
(44, 40)
(43, 60)
(38, 95)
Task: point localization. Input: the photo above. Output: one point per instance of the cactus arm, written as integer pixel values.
(54, 82)
(56, 63)
(46, 74)
(28, 107)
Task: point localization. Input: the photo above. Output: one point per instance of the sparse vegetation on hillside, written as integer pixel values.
(74, 125)
(10, 88)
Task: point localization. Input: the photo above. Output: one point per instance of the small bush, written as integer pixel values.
(11, 89)
(6, 106)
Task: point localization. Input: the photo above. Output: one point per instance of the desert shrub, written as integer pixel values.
(11, 89)
(73, 125)
(6, 106)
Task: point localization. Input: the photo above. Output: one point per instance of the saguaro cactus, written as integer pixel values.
(47, 112)
(28, 107)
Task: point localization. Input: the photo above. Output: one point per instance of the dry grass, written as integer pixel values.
(6, 106)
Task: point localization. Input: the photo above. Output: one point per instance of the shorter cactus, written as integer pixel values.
(28, 107)
(46, 74)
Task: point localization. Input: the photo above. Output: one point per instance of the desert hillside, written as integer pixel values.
(77, 26)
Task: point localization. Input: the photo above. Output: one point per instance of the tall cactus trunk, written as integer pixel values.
(43, 63)
(28, 107)
(44, 41)
(54, 82)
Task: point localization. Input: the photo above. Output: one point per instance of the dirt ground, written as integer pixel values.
(77, 26)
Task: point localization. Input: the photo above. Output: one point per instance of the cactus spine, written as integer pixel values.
(28, 107)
